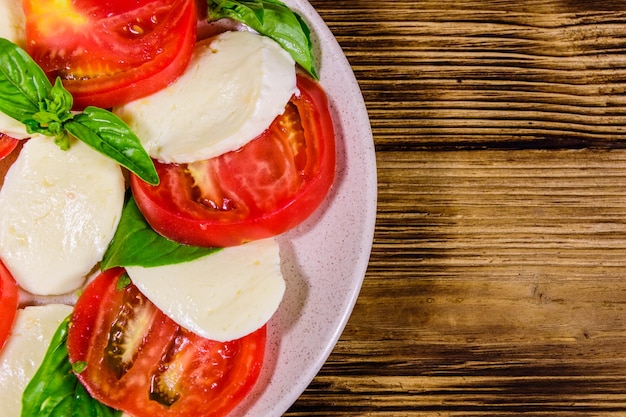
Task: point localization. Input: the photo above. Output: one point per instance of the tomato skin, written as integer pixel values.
(109, 53)
(9, 299)
(7, 145)
(193, 376)
(267, 187)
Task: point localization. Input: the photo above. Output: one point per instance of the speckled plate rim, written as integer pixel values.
(324, 261)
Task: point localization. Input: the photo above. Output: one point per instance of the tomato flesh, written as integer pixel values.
(9, 299)
(110, 52)
(267, 187)
(139, 361)
(7, 145)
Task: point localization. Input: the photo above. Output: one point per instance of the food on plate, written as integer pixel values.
(135, 243)
(146, 193)
(222, 296)
(111, 52)
(271, 18)
(55, 390)
(60, 211)
(20, 358)
(265, 188)
(27, 96)
(236, 84)
(12, 24)
(9, 300)
(11, 28)
(7, 145)
(138, 360)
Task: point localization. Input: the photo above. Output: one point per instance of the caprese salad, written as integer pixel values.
(151, 153)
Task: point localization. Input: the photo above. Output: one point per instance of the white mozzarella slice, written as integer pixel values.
(59, 211)
(236, 84)
(11, 127)
(12, 23)
(24, 351)
(222, 296)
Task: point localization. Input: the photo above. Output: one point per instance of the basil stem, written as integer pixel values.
(135, 243)
(55, 391)
(273, 19)
(27, 95)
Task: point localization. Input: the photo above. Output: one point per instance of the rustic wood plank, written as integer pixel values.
(501, 74)
(495, 286)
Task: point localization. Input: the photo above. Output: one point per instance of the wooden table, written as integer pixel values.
(497, 278)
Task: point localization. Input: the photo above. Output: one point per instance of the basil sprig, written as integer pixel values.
(273, 19)
(27, 95)
(135, 243)
(55, 391)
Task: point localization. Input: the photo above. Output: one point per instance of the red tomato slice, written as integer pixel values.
(110, 52)
(265, 188)
(139, 361)
(9, 299)
(7, 144)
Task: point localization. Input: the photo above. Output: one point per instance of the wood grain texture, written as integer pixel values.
(496, 284)
(448, 74)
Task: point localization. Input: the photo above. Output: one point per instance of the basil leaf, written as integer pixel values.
(273, 19)
(23, 84)
(54, 111)
(55, 391)
(27, 96)
(135, 243)
(108, 134)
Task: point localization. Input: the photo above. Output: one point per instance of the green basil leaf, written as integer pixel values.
(135, 243)
(55, 391)
(54, 111)
(273, 19)
(108, 134)
(123, 282)
(60, 101)
(86, 405)
(27, 95)
(23, 84)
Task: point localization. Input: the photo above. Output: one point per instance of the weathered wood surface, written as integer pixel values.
(497, 281)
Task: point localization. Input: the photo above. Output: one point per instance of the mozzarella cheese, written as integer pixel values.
(59, 211)
(12, 23)
(222, 296)
(22, 355)
(236, 84)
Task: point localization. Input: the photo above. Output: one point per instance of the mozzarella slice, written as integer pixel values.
(22, 355)
(12, 23)
(59, 211)
(235, 86)
(11, 127)
(222, 296)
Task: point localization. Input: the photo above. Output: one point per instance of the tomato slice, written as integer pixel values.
(7, 144)
(263, 189)
(110, 52)
(139, 361)
(9, 299)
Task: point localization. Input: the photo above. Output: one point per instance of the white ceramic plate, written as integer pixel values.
(324, 260)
